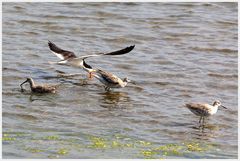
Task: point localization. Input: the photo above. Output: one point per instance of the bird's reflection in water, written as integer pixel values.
(113, 100)
(205, 132)
(36, 97)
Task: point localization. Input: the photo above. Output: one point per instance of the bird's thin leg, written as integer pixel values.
(200, 119)
(90, 75)
(203, 120)
(107, 88)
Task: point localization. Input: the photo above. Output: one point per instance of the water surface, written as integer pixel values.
(185, 52)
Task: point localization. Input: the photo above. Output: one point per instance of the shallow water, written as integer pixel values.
(185, 52)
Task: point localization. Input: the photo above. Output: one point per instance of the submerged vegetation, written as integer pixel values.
(55, 146)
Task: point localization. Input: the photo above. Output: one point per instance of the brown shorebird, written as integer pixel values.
(69, 58)
(110, 80)
(39, 88)
(203, 109)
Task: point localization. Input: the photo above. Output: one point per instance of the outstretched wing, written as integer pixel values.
(118, 52)
(108, 77)
(121, 52)
(60, 53)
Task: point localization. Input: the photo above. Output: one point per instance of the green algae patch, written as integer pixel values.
(148, 153)
(33, 150)
(52, 137)
(116, 144)
(63, 151)
(196, 147)
(176, 149)
(143, 148)
(8, 139)
(143, 143)
(170, 149)
(97, 142)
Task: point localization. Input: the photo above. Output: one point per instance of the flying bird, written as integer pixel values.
(69, 58)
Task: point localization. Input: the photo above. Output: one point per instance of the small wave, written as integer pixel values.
(227, 22)
(34, 22)
(24, 116)
(217, 75)
(224, 50)
(162, 83)
(221, 87)
(9, 69)
(186, 34)
(131, 4)
(105, 14)
(31, 33)
(18, 8)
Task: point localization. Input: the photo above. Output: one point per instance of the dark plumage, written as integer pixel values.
(39, 88)
(64, 54)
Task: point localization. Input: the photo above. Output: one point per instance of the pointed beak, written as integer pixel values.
(22, 84)
(223, 106)
(133, 82)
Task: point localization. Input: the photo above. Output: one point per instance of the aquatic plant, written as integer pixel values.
(63, 151)
(33, 150)
(142, 148)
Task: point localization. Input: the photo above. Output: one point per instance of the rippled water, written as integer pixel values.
(185, 52)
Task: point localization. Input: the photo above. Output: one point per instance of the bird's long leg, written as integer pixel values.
(90, 75)
(203, 120)
(200, 119)
(107, 88)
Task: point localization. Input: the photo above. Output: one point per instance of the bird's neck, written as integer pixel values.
(32, 84)
(124, 84)
(214, 109)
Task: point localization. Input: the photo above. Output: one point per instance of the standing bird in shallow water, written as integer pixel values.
(69, 58)
(39, 88)
(204, 110)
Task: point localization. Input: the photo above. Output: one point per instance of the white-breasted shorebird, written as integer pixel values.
(108, 79)
(39, 88)
(204, 109)
(69, 58)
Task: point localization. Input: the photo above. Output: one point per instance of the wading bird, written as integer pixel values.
(108, 79)
(203, 109)
(39, 88)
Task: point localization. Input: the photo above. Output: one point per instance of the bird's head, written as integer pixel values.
(126, 80)
(218, 104)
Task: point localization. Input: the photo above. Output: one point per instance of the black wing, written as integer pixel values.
(62, 54)
(122, 51)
